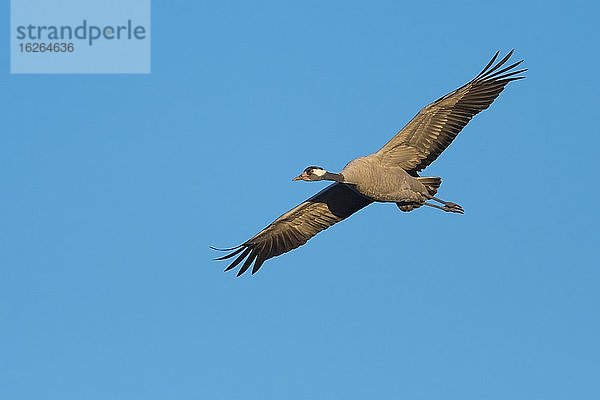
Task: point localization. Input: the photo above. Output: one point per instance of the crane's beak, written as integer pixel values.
(300, 177)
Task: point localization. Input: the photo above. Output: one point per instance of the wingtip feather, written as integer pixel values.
(238, 260)
(227, 249)
(247, 263)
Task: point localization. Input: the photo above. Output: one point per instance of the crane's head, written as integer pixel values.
(312, 173)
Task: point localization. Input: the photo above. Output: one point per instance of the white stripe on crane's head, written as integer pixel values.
(318, 171)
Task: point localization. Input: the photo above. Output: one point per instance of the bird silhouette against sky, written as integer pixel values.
(390, 175)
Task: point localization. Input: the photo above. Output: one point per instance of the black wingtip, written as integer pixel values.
(251, 257)
(489, 64)
(228, 249)
(257, 264)
(238, 259)
(226, 256)
(490, 70)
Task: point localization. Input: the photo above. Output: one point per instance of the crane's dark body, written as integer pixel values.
(389, 175)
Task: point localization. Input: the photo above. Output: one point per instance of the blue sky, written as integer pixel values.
(114, 186)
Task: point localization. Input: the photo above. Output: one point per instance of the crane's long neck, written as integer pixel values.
(330, 176)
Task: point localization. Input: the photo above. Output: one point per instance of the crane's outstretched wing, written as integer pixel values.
(294, 228)
(432, 130)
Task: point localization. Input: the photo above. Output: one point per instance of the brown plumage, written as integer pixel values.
(331, 205)
(389, 175)
(432, 130)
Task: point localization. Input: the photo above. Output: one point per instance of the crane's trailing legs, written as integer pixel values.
(447, 206)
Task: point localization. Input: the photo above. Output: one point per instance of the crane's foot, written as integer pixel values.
(448, 207)
(453, 207)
